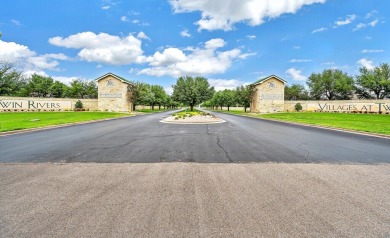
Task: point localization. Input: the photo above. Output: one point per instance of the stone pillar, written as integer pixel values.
(269, 95)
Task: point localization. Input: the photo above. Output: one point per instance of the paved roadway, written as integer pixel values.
(240, 139)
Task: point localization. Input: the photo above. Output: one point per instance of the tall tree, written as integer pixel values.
(244, 95)
(159, 95)
(58, 89)
(331, 84)
(229, 98)
(374, 83)
(192, 91)
(139, 92)
(295, 92)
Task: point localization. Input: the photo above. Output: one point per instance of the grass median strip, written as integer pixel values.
(26, 120)
(372, 123)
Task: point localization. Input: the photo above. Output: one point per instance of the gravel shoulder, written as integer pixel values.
(194, 200)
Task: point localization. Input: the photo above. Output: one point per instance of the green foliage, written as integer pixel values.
(192, 91)
(374, 83)
(244, 95)
(39, 86)
(298, 107)
(78, 104)
(82, 89)
(295, 92)
(11, 81)
(331, 84)
(229, 98)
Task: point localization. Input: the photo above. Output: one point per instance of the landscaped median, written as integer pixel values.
(11, 121)
(371, 123)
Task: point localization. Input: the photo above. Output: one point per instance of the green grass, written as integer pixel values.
(10, 121)
(373, 123)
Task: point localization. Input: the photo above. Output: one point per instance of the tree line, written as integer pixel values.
(14, 83)
(334, 84)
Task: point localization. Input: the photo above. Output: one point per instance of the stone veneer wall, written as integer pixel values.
(269, 97)
(88, 104)
(114, 95)
(352, 106)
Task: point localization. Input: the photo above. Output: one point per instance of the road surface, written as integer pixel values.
(144, 139)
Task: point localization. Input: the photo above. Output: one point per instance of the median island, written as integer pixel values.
(194, 117)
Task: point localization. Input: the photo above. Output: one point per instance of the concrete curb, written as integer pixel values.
(316, 126)
(7, 133)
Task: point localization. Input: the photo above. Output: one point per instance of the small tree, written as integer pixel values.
(374, 83)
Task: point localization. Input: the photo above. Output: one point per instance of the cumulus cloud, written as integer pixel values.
(103, 48)
(348, 20)
(319, 30)
(106, 7)
(222, 84)
(223, 15)
(369, 64)
(296, 74)
(142, 35)
(192, 60)
(184, 33)
(28, 60)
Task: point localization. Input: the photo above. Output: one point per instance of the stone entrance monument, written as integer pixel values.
(114, 93)
(269, 95)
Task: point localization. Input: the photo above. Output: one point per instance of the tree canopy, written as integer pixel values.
(374, 83)
(192, 91)
(331, 84)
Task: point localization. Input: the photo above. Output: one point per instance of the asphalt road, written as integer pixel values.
(145, 139)
(194, 200)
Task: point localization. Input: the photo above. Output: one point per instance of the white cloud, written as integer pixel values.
(222, 84)
(16, 22)
(369, 64)
(296, 47)
(251, 37)
(300, 60)
(372, 51)
(296, 74)
(65, 80)
(124, 19)
(319, 30)
(24, 58)
(364, 25)
(373, 23)
(142, 35)
(184, 33)
(169, 90)
(103, 48)
(223, 15)
(368, 38)
(348, 20)
(246, 55)
(328, 63)
(106, 7)
(197, 61)
(371, 14)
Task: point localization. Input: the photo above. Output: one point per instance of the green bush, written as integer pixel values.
(78, 105)
(298, 107)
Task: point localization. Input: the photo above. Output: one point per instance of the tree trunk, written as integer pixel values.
(192, 107)
(159, 107)
(244, 109)
(152, 107)
(221, 108)
(228, 108)
(133, 106)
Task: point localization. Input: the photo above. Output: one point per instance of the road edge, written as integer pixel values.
(316, 126)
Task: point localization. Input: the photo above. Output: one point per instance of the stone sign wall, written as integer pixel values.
(353, 106)
(269, 95)
(15, 104)
(114, 94)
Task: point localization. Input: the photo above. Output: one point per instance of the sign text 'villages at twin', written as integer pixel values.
(350, 107)
(34, 105)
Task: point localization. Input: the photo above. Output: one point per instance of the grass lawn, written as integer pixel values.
(10, 121)
(373, 123)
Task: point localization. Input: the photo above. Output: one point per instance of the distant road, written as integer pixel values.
(145, 139)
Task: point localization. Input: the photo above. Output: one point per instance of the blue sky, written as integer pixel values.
(230, 42)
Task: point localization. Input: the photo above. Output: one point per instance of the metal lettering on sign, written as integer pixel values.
(271, 97)
(34, 104)
(110, 95)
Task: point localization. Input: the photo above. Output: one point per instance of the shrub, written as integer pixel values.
(298, 107)
(78, 105)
